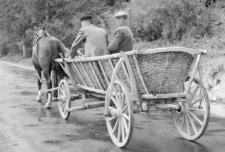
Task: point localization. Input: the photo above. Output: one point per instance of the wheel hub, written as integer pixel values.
(117, 113)
(184, 107)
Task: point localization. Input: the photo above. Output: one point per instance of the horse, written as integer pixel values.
(46, 49)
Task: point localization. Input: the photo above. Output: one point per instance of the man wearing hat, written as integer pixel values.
(94, 39)
(123, 37)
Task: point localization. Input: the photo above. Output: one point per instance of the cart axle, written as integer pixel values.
(87, 106)
(168, 106)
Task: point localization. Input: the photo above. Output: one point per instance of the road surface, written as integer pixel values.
(25, 126)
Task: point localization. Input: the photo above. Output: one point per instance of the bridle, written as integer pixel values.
(38, 35)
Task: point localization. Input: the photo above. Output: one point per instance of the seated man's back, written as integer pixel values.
(94, 39)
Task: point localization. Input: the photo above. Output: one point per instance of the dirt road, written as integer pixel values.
(25, 126)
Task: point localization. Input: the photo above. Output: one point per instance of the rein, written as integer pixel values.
(39, 35)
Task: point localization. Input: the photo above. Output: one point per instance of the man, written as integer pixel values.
(123, 37)
(94, 39)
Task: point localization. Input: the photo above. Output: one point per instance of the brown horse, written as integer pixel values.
(46, 49)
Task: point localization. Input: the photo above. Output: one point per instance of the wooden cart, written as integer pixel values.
(164, 78)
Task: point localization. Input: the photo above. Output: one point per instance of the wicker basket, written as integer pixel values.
(163, 72)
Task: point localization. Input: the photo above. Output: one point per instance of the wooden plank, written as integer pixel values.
(103, 71)
(97, 95)
(96, 77)
(91, 89)
(172, 49)
(132, 79)
(79, 74)
(62, 66)
(195, 67)
(81, 63)
(140, 75)
(71, 76)
(164, 96)
(125, 71)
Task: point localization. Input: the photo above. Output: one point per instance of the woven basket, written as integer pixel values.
(163, 72)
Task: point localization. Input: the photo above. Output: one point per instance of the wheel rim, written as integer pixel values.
(64, 99)
(120, 121)
(192, 121)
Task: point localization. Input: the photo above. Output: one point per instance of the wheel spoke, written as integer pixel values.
(196, 118)
(195, 109)
(122, 129)
(61, 90)
(192, 124)
(112, 109)
(182, 123)
(123, 110)
(181, 114)
(116, 95)
(193, 94)
(120, 96)
(115, 126)
(125, 116)
(187, 126)
(194, 102)
(119, 131)
(66, 92)
(125, 125)
(122, 100)
(115, 103)
(111, 119)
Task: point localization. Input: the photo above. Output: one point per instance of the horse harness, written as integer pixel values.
(39, 35)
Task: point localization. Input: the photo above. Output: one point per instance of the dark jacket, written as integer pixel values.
(122, 40)
(95, 42)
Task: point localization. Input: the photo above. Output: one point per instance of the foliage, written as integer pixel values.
(20, 19)
(175, 21)
(163, 21)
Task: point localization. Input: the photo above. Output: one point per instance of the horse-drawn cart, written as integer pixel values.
(164, 78)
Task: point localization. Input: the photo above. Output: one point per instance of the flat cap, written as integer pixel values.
(120, 14)
(86, 17)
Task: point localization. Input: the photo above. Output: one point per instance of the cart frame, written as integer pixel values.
(116, 91)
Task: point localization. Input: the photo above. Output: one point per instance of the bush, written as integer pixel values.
(175, 21)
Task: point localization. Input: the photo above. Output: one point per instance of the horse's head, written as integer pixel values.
(40, 34)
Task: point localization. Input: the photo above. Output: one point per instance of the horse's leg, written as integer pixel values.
(39, 82)
(54, 79)
(49, 86)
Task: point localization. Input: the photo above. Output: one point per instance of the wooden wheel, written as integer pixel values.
(64, 100)
(120, 119)
(192, 120)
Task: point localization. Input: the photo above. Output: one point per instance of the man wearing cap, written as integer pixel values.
(94, 39)
(123, 37)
